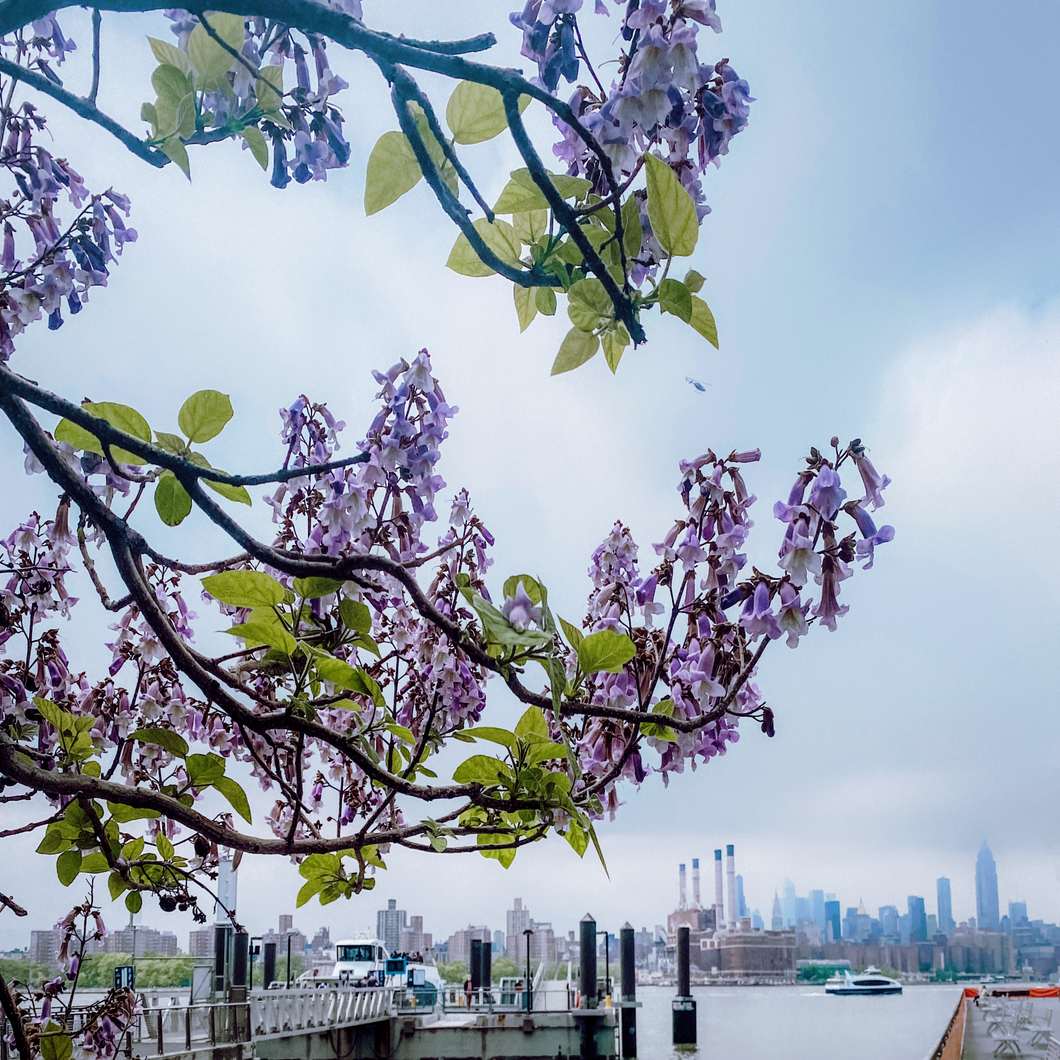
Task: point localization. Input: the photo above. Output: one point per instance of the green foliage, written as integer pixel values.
(670, 209)
(476, 112)
(204, 415)
(605, 652)
(97, 970)
(24, 971)
(245, 588)
(454, 972)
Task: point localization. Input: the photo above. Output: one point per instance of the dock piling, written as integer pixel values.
(684, 1005)
(628, 1010)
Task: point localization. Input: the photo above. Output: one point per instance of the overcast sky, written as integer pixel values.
(882, 261)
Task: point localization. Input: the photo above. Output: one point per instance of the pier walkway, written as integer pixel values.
(1012, 1026)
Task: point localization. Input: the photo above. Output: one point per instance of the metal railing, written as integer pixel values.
(454, 998)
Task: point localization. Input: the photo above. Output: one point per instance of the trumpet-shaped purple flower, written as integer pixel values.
(826, 494)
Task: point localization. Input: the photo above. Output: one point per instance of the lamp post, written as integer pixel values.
(529, 1000)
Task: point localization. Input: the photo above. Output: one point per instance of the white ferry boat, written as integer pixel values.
(871, 981)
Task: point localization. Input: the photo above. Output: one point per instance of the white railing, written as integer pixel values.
(284, 1012)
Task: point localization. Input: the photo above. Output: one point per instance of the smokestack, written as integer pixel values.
(683, 904)
(695, 883)
(731, 873)
(719, 902)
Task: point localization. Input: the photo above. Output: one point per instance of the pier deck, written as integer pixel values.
(1014, 1027)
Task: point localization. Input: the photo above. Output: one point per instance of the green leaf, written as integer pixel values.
(166, 738)
(475, 112)
(632, 230)
(435, 151)
(573, 634)
(271, 633)
(675, 297)
(120, 416)
(68, 866)
(530, 226)
(557, 680)
(204, 415)
(170, 55)
(516, 198)
(175, 105)
(545, 300)
(574, 351)
(605, 652)
(236, 797)
(245, 588)
(56, 1046)
(228, 491)
(614, 341)
(210, 60)
(149, 114)
(392, 170)
(487, 732)
(312, 588)
(308, 890)
(123, 814)
(670, 209)
(703, 321)
(164, 847)
(482, 769)
(568, 187)
(505, 856)
(353, 678)
(320, 866)
(175, 151)
(355, 615)
(589, 306)
(134, 901)
(53, 842)
(532, 723)
(500, 237)
(256, 142)
(172, 500)
(171, 443)
(546, 752)
(694, 281)
(596, 844)
(94, 863)
(115, 884)
(575, 835)
(205, 770)
(269, 88)
(525, 305)
(401, 732)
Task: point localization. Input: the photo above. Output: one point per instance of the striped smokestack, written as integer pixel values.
(719, 901)
(731, 873)
(695, 883)
(683, 904)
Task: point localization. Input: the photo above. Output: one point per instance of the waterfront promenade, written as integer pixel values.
(1017, 1026)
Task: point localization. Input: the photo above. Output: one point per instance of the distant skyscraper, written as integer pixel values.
(741, 905)
(987, 912)
(817, 908)
(790, 904)
(889, 929)
(833, 925)
(389, 923)
(778, 916)
(946, 924)
(917, 919)
(1017, 911)
(756, 921)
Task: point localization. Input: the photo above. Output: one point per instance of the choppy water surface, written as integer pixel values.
(798, 1023)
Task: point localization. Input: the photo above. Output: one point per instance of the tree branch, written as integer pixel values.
(85, 108)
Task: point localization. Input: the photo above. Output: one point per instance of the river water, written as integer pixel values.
(798, 1023)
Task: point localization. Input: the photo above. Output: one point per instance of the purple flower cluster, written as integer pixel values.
(662, 98)
(309, 122)
(45, 262)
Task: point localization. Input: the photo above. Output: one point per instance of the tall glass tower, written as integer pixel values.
(987, 911)
(946, 924)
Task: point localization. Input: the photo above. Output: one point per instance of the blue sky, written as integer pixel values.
(882, 261)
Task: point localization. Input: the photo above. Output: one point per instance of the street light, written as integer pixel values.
(529, 1000)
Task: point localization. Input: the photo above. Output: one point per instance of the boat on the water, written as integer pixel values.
(871, 981)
